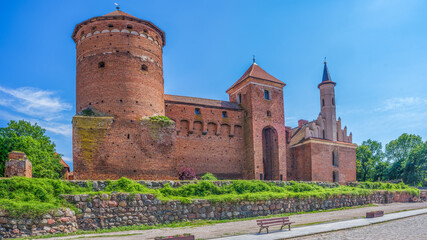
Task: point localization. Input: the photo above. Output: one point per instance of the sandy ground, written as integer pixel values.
(245, 227)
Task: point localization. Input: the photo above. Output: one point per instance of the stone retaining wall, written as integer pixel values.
(58, 221)
(122, 209)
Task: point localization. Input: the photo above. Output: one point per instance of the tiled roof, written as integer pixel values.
(119, 13)
(64, 164)
(201, 101)
(256, 71)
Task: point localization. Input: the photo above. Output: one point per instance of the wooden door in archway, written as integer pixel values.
(269, 147)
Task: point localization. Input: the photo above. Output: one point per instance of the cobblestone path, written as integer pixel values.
(408, 229)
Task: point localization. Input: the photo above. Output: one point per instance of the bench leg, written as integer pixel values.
(260, 230)
(289, 227)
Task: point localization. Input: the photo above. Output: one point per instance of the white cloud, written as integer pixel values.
(33, 102)
(67, 159)
(36, 106)
(406, 103)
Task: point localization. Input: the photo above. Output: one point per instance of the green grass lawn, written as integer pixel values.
(32, 197)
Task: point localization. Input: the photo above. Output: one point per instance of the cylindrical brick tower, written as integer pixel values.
(119, 66)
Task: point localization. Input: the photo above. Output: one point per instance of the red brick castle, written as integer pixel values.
(120, 87)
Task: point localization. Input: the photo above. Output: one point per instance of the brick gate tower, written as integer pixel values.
(261, 96)
(119, 80)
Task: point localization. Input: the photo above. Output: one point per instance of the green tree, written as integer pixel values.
(397, 152)
(364, 163)
(31, 139)
(415, 171)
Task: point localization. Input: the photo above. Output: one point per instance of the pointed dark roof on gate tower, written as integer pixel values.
(256, 71)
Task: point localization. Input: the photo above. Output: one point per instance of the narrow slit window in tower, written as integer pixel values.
(324, 134)
(267, 94)
(323, 102)
(239, 98)
(333, 101)
(268, 114)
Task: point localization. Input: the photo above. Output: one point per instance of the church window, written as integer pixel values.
(333, 102)
(324, 134)
(144, 68)
(268, 114)
(323, 102)
(101, 64)
(224, 114)
(239, 98)
(129, 26)
(267, 94)
(197, 111)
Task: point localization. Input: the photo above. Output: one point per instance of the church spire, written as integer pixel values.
(326, 76)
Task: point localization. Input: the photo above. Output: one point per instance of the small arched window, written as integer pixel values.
(323, 102)
(268, 114)
(324, 137)
(197, 111)
(129, 26)
(144, 68)
(224, 114)
(110, 25)
(101, 64)
(333, 101)
(267, 94)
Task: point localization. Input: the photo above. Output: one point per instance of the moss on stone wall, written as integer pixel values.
(89, 133)
(161, 128)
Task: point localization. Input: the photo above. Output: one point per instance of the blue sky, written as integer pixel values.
(376, 52)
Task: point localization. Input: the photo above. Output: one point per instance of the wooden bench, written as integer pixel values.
(265, 223)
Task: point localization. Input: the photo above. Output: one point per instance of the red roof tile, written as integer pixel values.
(256, 71)
(118, 13)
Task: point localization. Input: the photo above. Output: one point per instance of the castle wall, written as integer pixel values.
(322, 166)
(208, 142)
(299, 167)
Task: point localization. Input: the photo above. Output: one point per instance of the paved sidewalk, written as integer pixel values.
(327, 227)
(248, 226)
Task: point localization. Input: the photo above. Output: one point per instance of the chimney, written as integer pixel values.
(301, 122)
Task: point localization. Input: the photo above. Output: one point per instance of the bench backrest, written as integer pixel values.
(272, 221)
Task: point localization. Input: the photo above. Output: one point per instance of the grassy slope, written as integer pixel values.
(34, 197)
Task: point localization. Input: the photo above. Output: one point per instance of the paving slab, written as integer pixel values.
(326, 227)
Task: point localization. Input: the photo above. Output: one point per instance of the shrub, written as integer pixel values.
(208, 176)
(186, 173)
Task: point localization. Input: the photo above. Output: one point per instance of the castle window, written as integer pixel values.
(335, 158)
(110, 25)
(239, 98)
(333, 102)
(335, 176)
(101, 64)
(144, 68)
(267, 94)
(324, 134)
(224, 114)
(197, 111)
(323, 102)
(129, 26)
(268, 114)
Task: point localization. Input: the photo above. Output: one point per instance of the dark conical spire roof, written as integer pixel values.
(326, 76)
